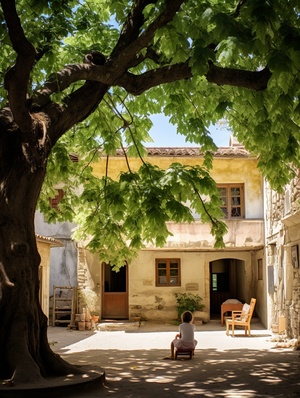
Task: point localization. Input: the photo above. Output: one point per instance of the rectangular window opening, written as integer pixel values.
(167, 272)
(232, 200)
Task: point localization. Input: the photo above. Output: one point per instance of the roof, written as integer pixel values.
(46, 239)
(232, 151)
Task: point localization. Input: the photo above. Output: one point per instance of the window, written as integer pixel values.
(232, 197)
(167, 272)
(54, 202)
(220, 282)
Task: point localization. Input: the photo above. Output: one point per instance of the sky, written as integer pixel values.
(164, 134)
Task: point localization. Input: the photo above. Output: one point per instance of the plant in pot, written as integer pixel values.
(188, 302)
(88, 302)
(95, 318)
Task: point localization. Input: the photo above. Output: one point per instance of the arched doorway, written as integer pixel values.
(114, 292)
(227, 281)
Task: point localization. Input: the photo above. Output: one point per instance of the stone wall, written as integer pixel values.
(283, 236)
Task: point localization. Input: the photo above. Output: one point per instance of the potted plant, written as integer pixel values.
(88, 302)
(188, 302)
(95, 318)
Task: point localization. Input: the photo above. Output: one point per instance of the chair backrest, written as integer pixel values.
(247, 311)
(252, 305)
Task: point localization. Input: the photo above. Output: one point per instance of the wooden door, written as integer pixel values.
(114, 293)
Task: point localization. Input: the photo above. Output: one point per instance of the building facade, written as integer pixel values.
(189, 262)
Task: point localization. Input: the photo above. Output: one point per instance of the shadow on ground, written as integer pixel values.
(232, 373)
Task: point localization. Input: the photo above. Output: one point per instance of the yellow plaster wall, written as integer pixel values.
(225, 170)
(159, 303)
(44, 251)
(151, 302)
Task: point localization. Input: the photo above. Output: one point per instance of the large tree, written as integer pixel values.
(83, 77)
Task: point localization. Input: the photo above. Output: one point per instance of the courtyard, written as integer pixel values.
(223, 366)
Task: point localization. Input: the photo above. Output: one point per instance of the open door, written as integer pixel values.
(114, 292)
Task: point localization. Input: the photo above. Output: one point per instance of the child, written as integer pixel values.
(185, 339)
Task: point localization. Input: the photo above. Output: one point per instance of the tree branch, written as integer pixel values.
(79, 105)
(136, 85)
(238, 8)
(131, 28)
(120, 61)
(17, 78)
(84, 100)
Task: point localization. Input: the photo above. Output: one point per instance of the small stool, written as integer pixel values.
(184, 352)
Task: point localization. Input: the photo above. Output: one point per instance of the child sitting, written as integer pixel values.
(185, 338)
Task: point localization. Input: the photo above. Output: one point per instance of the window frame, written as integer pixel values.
(168, 268)
(229, 206)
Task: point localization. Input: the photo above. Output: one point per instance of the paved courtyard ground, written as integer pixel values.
(222, 366)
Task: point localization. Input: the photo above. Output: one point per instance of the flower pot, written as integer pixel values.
(81, 325)
(88, 325)
(95, 318)
(82, 317)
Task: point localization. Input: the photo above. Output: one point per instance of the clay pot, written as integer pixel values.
(81, 325)
(88, 325)
(82, 317)
(95, 318)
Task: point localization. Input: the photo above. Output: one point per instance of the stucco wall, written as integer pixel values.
(225, 170)
(63, 260)
(150, 302)
(44, 251)
(261, 288)
(241, 233)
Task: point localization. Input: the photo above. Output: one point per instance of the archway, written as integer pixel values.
(227, 281)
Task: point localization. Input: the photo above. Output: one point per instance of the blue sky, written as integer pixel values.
(164, 134)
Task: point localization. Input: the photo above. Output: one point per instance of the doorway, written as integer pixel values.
(114, 292)
(226, 282)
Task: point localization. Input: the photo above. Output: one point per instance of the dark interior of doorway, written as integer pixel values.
(114, 281)
(224, 274)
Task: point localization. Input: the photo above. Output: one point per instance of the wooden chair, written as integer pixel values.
(183, 352)
(241, 318)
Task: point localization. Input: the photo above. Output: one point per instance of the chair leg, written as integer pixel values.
(232, 328)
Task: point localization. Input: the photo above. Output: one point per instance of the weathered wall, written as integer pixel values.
(150, 302)
(89, 281)
(241, 233)
(44, 251)
(261, 287)
(227, 169)
(159, 303)
(63, 260)
(44, 246)
(283, 277)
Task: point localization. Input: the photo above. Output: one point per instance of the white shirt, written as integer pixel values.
(187, 332)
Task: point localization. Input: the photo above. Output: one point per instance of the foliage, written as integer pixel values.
(202, 62)
(88, 300)
(188, 302)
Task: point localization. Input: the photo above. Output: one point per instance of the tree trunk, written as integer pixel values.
(25, 355)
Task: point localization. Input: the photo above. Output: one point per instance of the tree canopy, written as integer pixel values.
(96, 71)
